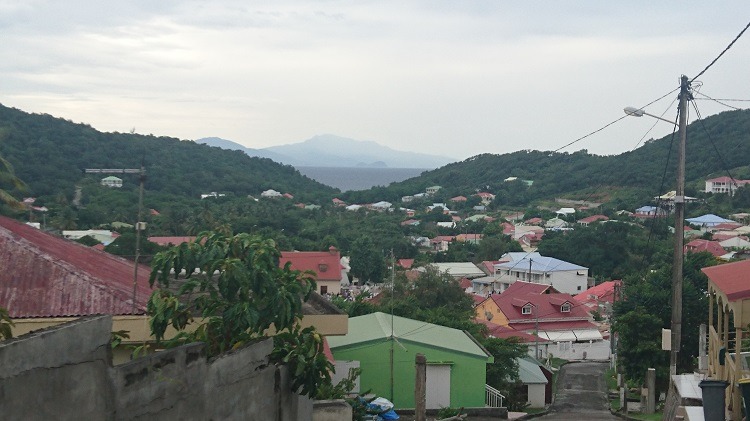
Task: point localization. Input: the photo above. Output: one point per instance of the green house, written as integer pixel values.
(384, 348)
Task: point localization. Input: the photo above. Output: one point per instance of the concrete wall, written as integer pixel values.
(65, 372)
(58, 373)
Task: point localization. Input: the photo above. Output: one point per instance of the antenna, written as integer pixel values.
(139, 226)
(393, 272)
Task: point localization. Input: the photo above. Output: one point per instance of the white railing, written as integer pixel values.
(492, 397)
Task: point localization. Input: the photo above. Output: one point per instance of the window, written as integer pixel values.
(579, 287)
(324, 289)
(526, 309)
(565, 308)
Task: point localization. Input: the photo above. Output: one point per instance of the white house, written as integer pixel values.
(112, 181)
(432, 189)
(459, 270)
(563, 276)
(381, 206)
(270, 193)
(566, 211)
(724, 185)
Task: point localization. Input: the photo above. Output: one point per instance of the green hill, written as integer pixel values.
(50, 153)
(718, 143)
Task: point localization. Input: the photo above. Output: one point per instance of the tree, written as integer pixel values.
(502, 374)
(366, 263)
(230, 290)
(6, 323)
(8, 180)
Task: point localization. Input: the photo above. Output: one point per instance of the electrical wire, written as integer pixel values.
(716, 149)
(722, 53)
(611, 123)
(718, 101)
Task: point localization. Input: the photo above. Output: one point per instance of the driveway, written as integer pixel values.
(581, 393)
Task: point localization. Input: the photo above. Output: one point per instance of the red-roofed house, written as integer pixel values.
(405, 263)
(560, 318)
(726, 226)
(469, 238)
(288, 195)
(47, 280)
(495, 330)
(486, 197)
(600, 296)
(338, 202)
(458, 199)
(699, 245)
(47, 276)
(724, 185)
(591, 219)
(325, 264)
(728, 299)
(508, 228)
(534, 221)
(465, 284)
(441, 242)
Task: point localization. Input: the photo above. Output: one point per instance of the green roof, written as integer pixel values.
(529, 372)
(377, 327)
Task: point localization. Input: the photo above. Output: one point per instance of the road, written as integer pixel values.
(581, 393)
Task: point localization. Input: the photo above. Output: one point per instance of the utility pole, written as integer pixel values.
(679, 222)
(530, 262)
(139, 226)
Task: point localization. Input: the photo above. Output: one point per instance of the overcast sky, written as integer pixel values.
(454, 78)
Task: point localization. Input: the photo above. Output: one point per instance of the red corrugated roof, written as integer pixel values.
(699, 245)
(326, 264)
(604, 292)
(554, 326)
(48, 276)
(733, 279)
(546, 306)
(506, 332)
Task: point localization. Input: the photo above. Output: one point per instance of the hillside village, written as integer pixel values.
(495, 295)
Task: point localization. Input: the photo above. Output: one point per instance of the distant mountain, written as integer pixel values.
(234, 146)
(335, 151)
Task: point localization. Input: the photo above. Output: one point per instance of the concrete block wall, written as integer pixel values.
(65, 373)
(58, 373)
(164, 385)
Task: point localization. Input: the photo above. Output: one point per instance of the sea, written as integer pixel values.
(359, 178)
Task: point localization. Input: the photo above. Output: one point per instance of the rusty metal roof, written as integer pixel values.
(46, 276)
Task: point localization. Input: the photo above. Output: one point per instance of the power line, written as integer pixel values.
(722, 53)
(612, 122)
(719, 101)
(716, 149)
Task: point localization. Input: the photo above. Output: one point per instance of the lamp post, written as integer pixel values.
(679, 222)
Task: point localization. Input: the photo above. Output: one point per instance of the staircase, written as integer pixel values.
(492, 397)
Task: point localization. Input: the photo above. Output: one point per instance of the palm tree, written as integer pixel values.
(8, 180)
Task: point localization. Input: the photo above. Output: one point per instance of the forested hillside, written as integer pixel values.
(49, 154)
(716, 144)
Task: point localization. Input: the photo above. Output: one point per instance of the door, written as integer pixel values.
(438, 386)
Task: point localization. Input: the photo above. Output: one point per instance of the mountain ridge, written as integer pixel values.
(329, 150)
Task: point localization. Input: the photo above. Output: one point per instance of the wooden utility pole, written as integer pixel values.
(139, 226)
(679, 239)
(420, 388)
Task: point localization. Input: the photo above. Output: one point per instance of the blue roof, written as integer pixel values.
(708, 219)
(539, 263)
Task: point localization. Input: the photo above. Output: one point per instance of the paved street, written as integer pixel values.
(581, 393)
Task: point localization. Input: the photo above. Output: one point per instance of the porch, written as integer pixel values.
(728, 320)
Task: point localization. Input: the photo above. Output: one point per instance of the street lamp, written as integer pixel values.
(638, 112)
(679, 222)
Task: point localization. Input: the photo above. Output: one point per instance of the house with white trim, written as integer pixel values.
(112, 181)
(533, 267)
(724, 185)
